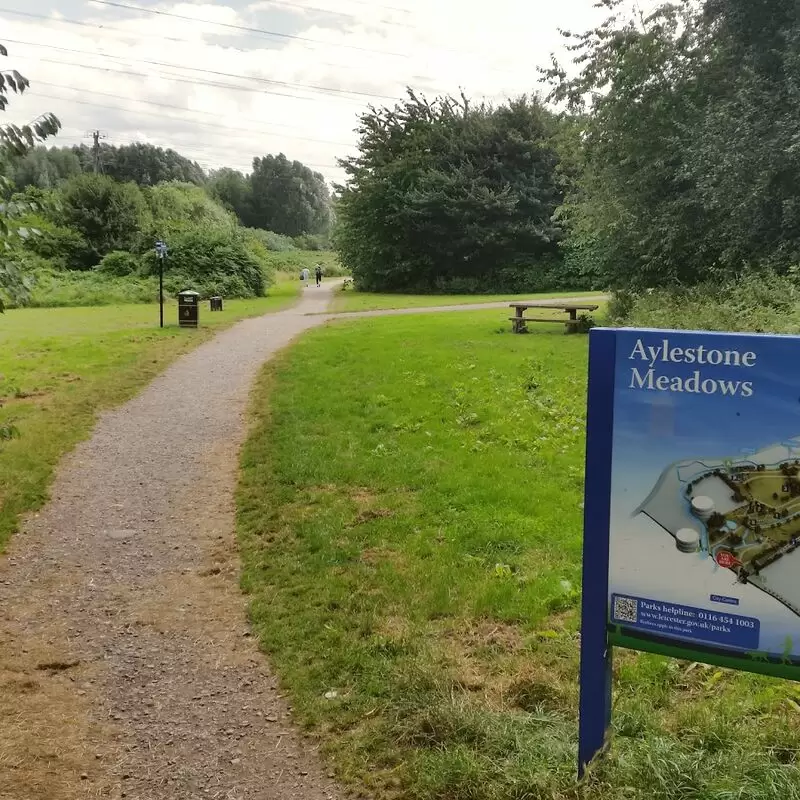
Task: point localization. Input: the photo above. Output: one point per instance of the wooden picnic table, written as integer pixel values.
(519, 320)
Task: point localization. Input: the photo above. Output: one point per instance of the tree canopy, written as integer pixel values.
(142, 163)
(687, 119)
(446, 194)
(288, 197)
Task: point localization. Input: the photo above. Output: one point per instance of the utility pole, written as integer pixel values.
(96, 136)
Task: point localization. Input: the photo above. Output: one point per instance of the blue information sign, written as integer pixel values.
(692, 509)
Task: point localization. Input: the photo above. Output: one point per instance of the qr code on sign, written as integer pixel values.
(626, 609)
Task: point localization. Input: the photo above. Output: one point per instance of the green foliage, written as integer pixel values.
(274, 241)
(142, 163)
(64, 247)
(176, 207)
(15, 141)
(446, 195)
(291, 263)
(758, 302)
(107, 214)
(45, 168)
(212, 261)
(308, 241)
(287, 197)
(234, 191)
(119, 263)
(688, 163)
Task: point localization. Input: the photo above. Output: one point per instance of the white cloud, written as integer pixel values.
(223, 95)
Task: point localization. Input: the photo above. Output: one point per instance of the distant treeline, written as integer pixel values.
(278, 195)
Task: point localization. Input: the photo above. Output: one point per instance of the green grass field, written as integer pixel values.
(59, 367)
(410, 523)
(349, 300)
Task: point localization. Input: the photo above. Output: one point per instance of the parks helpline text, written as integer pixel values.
(685, 622)
(647, 375)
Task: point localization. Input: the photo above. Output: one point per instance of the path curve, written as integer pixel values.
(123, 637)
(126, 663)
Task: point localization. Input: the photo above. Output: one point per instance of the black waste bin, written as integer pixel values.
(216, 303)
(188, 308)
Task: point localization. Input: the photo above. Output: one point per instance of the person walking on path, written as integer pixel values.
(304, 275)
(318, 272)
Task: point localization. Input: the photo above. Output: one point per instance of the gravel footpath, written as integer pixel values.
(126, 663)
(124, 645)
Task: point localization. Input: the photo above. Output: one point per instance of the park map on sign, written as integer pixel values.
(741, 514)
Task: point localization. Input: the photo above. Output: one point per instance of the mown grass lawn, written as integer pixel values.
(59, 367)
(349, 300)
(410, 524)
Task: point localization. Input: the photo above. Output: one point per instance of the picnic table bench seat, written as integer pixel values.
(519, 319)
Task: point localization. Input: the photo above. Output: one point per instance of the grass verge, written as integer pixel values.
(59, 367)
(349, 300)
(410, 524)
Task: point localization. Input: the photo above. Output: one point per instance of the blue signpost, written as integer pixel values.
(692, 507)
(161, 254)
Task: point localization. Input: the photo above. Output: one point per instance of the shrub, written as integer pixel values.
(273, 241)
(583, 263)
(108, 215)
(548, 273)
(309, 241)
(63, 247)
(119, 263)
(211, 261)
(177, 207)
(757, 302)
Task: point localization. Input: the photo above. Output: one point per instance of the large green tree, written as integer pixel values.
(288, 197)
(444, 193)
(687, 119)
(15, 141)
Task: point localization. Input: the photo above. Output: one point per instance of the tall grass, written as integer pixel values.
(761, 303)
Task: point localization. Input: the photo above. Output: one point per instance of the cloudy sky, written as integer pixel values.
(222, 82)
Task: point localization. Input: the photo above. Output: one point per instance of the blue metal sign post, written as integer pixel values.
(595, 669)
(692, 507)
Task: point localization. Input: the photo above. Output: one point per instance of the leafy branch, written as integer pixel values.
(16, 141)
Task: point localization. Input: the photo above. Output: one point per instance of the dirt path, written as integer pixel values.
(126, 664)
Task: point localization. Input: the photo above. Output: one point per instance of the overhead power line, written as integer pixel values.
(265, 131)
(182, 79)
(344, 14)
(245, 28)
(258, 79)
(161, 38)
(235, 131)
(277, 34)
